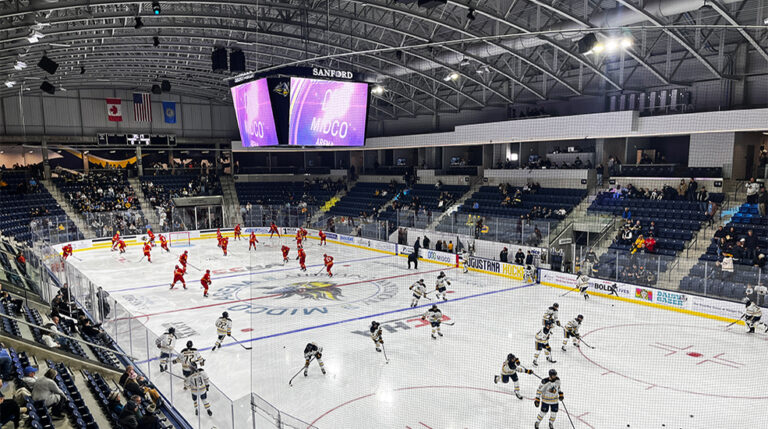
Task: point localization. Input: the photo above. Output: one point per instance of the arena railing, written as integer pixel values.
(502, 229)
(282, 215)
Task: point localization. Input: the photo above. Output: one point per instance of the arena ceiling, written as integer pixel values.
(466, 54)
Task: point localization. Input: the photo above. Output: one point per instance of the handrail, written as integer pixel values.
(59, 334)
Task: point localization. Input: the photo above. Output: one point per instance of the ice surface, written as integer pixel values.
(650, 368)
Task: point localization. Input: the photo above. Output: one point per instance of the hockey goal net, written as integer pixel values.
(179, 239)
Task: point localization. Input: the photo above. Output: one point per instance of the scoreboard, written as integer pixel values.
(104, 139)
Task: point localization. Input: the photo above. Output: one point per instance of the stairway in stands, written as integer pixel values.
(68, 209)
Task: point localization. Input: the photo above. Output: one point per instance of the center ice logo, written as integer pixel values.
(316, 290)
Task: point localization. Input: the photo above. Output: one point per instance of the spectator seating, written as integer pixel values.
(98, 191)
(272, 193)
(667, 170)
(160, 189)
(20, 202)
(362, 200)
(489, 200)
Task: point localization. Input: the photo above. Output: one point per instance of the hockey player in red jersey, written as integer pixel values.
(224, 244)
(151, 236)
(147, 250)
(206, 281)
(121, 245)
(285, 249)
(302, 259)
(237, 232)
(66, 251)
(183, 260)
(218, 236)
(322, 238)
(299, 238)
(328, 261)
(273, 230)
(252, 241)
(115, 240)
(178, 276)
(164, 243)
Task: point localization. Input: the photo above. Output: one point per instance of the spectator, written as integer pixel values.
(134, 384)
(626, 214)
(503, 255)
(14, 304)
(439, 246)
(417, 245)
(114, 402)
(691, 190)
(519, 257)
(51, 337)
(750, 244)
(9, 410)
(759, 261)
(29, 378)
(450, 246)
(599, 170)
(129, 418)
(48, 391)
(682, 189)
(720, 233)
(529, 258)
(5, 364)
(425, 242)
(702, 195)
(710, 212)
(762, 201)
(753, 188)
(475, 206)
(749, 293)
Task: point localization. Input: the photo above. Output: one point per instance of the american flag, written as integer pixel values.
(142, 108)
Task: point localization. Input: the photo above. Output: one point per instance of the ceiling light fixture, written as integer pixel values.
(626, 43)
(471, 14)
(378, 90)
(156, 7)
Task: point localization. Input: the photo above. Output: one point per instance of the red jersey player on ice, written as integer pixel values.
(183, 260)
(151, 236)
(164, 243)
(121, 245)
(115, 240)
(237, 232)
(66, 251)
(302, 259)
(285, 249)
(252, 241)
(224, 243)
(178, 276)
(273, 230)
(218, 237)
(322, 238)
(147, 250)
(328, 261)
(206, 281)
(299, 238)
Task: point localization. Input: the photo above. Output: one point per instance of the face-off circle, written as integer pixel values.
(654, 354)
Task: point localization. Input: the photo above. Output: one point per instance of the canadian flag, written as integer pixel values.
(114, 111)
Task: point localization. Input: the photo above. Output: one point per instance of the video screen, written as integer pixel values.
(254, 114)
(327, 113)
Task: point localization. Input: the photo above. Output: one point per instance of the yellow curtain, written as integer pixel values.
(103, 161)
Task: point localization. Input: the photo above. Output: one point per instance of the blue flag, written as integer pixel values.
(169, 112)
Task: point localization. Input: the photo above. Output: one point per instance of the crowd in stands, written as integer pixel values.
(160, 190)
(97, 191)
(513, 197)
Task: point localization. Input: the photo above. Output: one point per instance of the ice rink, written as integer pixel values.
(649, 368)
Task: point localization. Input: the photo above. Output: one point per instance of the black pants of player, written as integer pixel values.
(413, 257)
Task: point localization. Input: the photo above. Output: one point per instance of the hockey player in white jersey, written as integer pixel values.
(165, 343)
(313, 351)
(752, 316)
(550, 316)
(376, 335)
(189, 357)
(542, 343)
(572, 331)
(434, 316)
(509, 369)
(440, 286)
(197, 382)
(548, 396)
(223, 329)
(419, 290)
(582, 283)
(464, 262)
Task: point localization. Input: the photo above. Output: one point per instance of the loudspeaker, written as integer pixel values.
(237, 61)
(48, 65)
(156, 89)
(586, 43)
(219, 60)
(47, 88)
(165, 86)
(432, 3)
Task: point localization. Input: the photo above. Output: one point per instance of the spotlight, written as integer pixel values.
(599, 47)
(155, 41)
(765, 21)
(471, 14)
(156, 7)
(20, 65)
(452, 76)
(378, 90)
(10, 83)
(611, 45)
(626, 43)
(138, 24)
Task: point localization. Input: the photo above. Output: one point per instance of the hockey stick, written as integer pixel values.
(448, 323)
(198, 269)
(142, 258)
(321, 270)
(238, 342)
(585, 343)
(735, 321)
(302, 369)
(567, 413)
(385, 353)
(572, 290)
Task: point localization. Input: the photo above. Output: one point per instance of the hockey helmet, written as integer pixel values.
(510, 357)
(552, 373)
(434, 306)
(747, 302)
(555, 305)
(374, 323)
(442, 274)
(324, 255)
(177, 267)
(207, 271)
(225, 314)
(421, 280)
(579, 317)
(186, 251)
(171, 330)
(189, 343)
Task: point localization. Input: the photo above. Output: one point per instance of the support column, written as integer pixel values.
(85, 162)
(170, 161)
(46, 165)
(139, 164)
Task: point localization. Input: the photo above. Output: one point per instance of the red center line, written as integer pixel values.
(278, 294)
(421, 423)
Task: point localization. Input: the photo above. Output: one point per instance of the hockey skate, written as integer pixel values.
(434, 337)
(210, 413)
(519, 396)
(535, 363)
(551, 425)
(439, 333)
(496, 379)
(323, 369)
(550, 360)
(305, 373)
(536, 425)
(378, 349)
